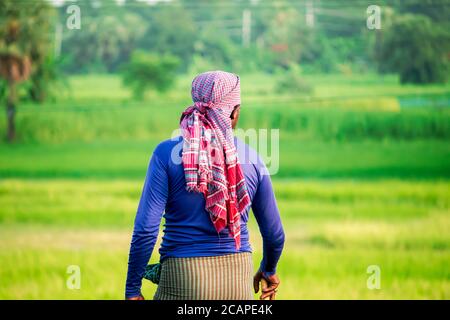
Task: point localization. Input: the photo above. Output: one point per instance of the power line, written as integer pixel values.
(259, 4)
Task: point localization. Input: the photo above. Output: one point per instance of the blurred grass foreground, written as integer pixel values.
(364, 153)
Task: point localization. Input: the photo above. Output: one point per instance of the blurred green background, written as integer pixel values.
(364, 126)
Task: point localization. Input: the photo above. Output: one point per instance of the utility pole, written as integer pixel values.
(246, 27)
(58, 39)
(310, 18)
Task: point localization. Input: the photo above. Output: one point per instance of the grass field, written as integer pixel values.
(335, 230)
(424, 159)
(356, 187)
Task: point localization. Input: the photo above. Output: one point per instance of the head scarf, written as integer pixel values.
(209, 156)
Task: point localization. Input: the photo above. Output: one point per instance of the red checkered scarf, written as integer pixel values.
(209, 156)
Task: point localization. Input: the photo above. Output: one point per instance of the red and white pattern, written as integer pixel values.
(210, 161)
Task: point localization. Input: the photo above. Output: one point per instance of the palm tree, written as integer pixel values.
(24, 45)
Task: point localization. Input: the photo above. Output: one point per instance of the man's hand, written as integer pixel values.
(139, 297)
(269, 285)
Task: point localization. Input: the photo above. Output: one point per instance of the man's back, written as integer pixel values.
(188, 230)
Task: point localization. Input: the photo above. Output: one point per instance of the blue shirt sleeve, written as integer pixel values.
(266, 212)
(147, 222)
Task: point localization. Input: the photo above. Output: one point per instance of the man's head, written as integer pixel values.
(220, 91)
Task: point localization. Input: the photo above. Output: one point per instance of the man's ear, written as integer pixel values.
(235, 111)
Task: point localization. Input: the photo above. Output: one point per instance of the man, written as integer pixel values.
(206, 193)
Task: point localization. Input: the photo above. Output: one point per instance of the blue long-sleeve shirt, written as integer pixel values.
(188, 230)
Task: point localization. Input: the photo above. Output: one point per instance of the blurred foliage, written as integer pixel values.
(416, 48)
(149, 71)
(292, 81)
(437, 10)
(24, 30)
(24, 49)
(209, 34)
(219, 51)
(171, 30)
(194, 36)
(47, 81)
(286, 31)
(103, 43)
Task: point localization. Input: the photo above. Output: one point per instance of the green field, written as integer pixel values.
(335, 230)
(363, 180)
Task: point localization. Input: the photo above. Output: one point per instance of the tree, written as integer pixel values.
(416, 48)
(106, 41)
(46, 80)
(24, 28)
(171, 30)
(293, 81)
(285, 36)
(148, 71)
(437, 10)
